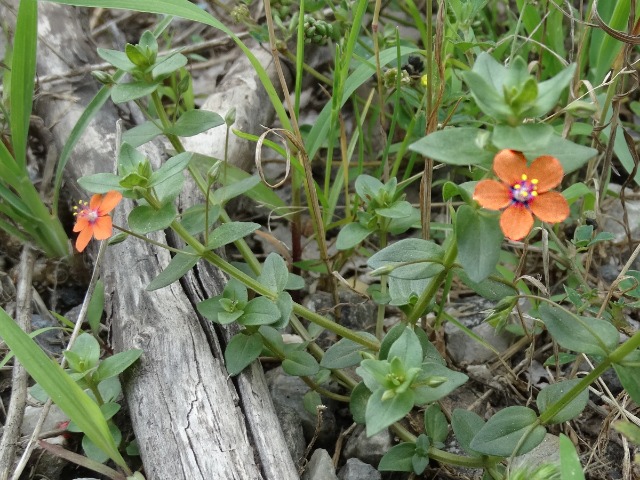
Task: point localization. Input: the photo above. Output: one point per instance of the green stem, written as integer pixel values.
(617, 356)
(446, 457)
(430, 292)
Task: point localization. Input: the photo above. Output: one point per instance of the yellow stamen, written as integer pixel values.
(516, 186)
(524, 177)
(534, 194)
(534, 181)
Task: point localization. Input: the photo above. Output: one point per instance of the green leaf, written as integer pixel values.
(630, 380)
(87, 348)
(408, 349)
(629, 430)
(64, 391)
(342, 354)
(398, 458)
(479, 242)
(23, 71)
(126, 92)
(351, 236)
(116, 364)
(284, 302)
(421, 253)
(141, 134)
(299, 363)
(193, 122)
(129, 158)
(550, 90)
(145, 219)
(168, 64)
(174, 166)
(368, 187)
(194, 218)
(93, 451)
(490, 288)
(310, 401)
(117, 58)
(180, 264)
(260, 311)
(571, 155)
(389, 339)
(532, 137)
(274, 274)
(488, 99)
(96, 307)
(580, 334)
(382, 413)
(551, 394)
(427, 394)
(435, 423)
(241, 351)
(466, 425)
(100, 182)
(235, 188)
(570, 468)
(506, 430)
(358, 403)
(456, 146)
(230, 232)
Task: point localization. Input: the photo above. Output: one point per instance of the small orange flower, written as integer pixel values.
(93, 219)
(523, 192)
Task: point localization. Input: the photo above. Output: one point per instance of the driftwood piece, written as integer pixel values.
(190, 419)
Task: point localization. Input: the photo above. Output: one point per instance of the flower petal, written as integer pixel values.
(103, 228)
(110, 200)
(509, 166)
(492, 195)
(95, 201)
(548, 171)
(516, 222)
(84, 238)
(550, 207)
(81, 224)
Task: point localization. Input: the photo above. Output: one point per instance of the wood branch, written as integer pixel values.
(191, 421)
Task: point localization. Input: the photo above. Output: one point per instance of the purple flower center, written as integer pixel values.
(523, 192)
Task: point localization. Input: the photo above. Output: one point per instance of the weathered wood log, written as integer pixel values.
(191, 421)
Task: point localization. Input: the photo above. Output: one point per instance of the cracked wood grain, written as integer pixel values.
(191, 421)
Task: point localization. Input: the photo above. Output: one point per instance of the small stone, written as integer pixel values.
(52, 340)
(54, 419)
(320, 467)
(293, 432)
(465, 350)
(547, 452)
(287, 393)
(368, 449)
(356, 469)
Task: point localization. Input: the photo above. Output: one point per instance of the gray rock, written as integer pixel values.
(614, 217)
(49, 465)
(32, 414)
(547, 452)
(464, 349)
(51, 341)
(287, 392)
(293, 432)
(320, 467)
(356, 312)
(356, 469)
(368, 449)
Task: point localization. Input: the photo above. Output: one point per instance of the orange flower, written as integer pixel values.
(524, 192)
(93, 219)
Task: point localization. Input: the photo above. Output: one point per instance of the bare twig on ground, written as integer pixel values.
(18, 399)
